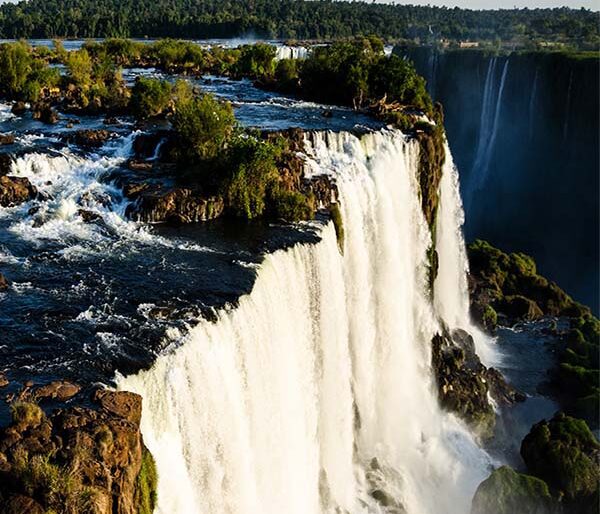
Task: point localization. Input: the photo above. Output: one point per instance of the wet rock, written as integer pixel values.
(177, 205)
(6, 162)
(327, 113)
(4, 283)
(89, 138)
(45, 113)
(132, 190)
(18, 108)
(88, 216)
(3, 380)
(138, 165)
(464, 383)
(58, 390)
(18, 504)
(7, 139)
(111, 120)
(15, 190)
(145, 145)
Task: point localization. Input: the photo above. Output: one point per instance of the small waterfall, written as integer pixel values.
(532, 102)
(433, 65)
(291, 52)
(315, 394)
(488, 129)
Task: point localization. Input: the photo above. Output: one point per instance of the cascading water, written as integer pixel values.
(315, 393)
(488, 128)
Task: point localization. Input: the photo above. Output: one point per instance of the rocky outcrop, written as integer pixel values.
(507, 492)
(4, 283)
(77, 459)
(565, 454)
(15, 190)
(176, 205)
(464, 383)
(89, 138)
(45, 113)
(7, 139)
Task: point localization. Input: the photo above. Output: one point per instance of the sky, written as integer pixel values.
(489, 4)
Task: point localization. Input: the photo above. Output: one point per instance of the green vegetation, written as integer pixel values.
(150, 97)
(562, 453)
(203, 126)
(255, 61)
(356, 72)
(146, 484)
(26, 414)
(297, 19)
(338, 224)
(509, 284)
(507, 492)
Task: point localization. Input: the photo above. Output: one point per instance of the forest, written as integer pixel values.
(292, 19)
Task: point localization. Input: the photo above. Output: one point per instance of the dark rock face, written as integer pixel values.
(15, 190)
(77, 459)
(6, 161)
(565, 454)
(464, 382)
(507, 492)
(177, 205)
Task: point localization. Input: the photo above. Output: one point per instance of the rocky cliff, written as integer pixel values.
(523, 129)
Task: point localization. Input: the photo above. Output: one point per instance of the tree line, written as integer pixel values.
(289, 19)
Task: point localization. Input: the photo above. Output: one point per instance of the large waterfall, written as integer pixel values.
(315, 393)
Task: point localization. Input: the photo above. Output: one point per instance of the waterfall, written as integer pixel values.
(315, 393)
(568, 107)
(290, 52)
(488, 129)
(532, 101)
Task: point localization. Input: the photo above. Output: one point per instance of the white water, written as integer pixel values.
(490, 117)
(283, 403)
(290, 52)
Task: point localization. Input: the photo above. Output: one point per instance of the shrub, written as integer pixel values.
(256, 61)
(150, 97)
(252, 173)
(286, 74)
(80, 68)
(291, 205)
(204, 126)
(26, 414)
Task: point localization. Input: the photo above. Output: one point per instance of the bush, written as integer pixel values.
(291, 205)
(204, 126)
(26, 414)
(150, 97)
(286, 75)
(256, 61)
(252, 173)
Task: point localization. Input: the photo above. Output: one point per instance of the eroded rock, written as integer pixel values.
(15, 190)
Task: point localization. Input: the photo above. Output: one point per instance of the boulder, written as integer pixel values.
(122, 404)
(61, 390)
(507, 492)
(177, 205)
(565, 454)
(3, 380)
(89, 138)
(7, 139)
(18, 108)
(88, 216)
(15, 190)
(45, 113)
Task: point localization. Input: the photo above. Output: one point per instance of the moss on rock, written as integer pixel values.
(507, 492)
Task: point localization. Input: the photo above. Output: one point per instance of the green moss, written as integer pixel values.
(489, 317)
(146, 485)
(562, 453)
(338, 224)
(507, 492)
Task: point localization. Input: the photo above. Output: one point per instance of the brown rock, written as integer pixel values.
(57, 390)
(15, 190)
(137, 165)
(4, 283)
(7, 139)
(180, 205)
(45, 113)
(18, 108)
(121, 403)
(3, 380)
(88, 216)
(89, 138)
